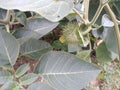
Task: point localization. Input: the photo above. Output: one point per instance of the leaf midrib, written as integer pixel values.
(69, 73)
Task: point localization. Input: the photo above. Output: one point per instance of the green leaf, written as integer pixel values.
(21, 17)
(57, 44)
(41, 26)
(83, 54)
(9, 48)
(39, 86)
(35, 48)
(22, 70)
(83, 39)
(5, 76)
(10, 86)
(78, 5)
(64, 71)
(110, 40)
(115, 7)
(53, 10)
(103, 55)
(106, 22)
(35, 28)
(28, 79)
(98, 33)
(2, 13)
(73, 47)
(23, 35)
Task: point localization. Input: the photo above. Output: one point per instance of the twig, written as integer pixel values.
(118, 22)
(3, 22)
(86, 5)
(8, 15)
(77, 12)
(7, 28)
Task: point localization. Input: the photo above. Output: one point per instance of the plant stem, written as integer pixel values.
(7, 18)
(87, 30)
(118, 22)
(97, 13)
(7, 28)
(90, 45)
(116, 27)
(3, 22)
(86, 5)
(77, 12)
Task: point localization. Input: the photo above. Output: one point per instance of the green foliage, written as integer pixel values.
(23, 26)
(115, 6)
(49, 9)
(5, 76)
(10, 86)
(103, 55)
(35, 48)
(21, 70)
(21, 17)
(9, 48)
(73, 70)
(28, 79)
(35, 28)
(110, 42)
(39, 86)
(83, 54)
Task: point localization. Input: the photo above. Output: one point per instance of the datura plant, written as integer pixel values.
(92, 25)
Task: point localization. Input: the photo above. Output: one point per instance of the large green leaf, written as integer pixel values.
(110, 46)
(35, 28)
(35, 48)
(10, 86)
(64, 71)
(39, 86)
(9, 48)
(28, 79)
(5, 76)
(53, 10)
